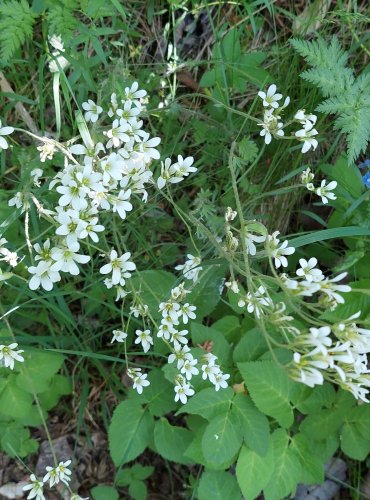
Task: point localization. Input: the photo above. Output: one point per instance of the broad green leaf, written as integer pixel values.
(255, 426)
(352, 442)
(221, 348)
(138, 490)
(130, 432)
(208, 403)
(312, 470)
(222, 439)
(287, 468)
(172, 441)
(39, 367)
(14, 402)
(229, 327)
(158, 395)
(154, 287)
(206, 293)
(320, 396)
(253, 471)
(104, 493)
(360, 417)
(16, 440)
(250, 347)
(270, 388)
(218, 485)
(323, 423)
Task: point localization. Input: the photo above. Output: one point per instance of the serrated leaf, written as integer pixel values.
(217, 485)
(250, 347)
(270, 389)
(253, 471)
(254, 425)
(130, 432)
(312, 470)
(322, 423)
(352, 442)
(319, 397)
(172, 441)
(208, 403)
(222, 439)
(287, 468)
(104, 493)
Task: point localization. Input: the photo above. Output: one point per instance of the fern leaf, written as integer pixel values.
(61, 19)
(16, 26)
(356, 126)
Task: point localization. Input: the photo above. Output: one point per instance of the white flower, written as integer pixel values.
(180, 354)
(165, 330)
(182, 392)
(140, 382)
(179, 337)
(120, 203)
(307, 137)
(169, 173)
(233, 286)
(306, 371)
(307, 176)
(92, 111)
(220, 380)
(59, 473)
(4, 131)
(250, 240)
(170, 309)
(118, 266)
(187, 312)
(271, 126)
(43, 275)
(189, 369)
(324, 191)
(47, 151)
(191, 268)
(279, 253)
(36, 488)
(255, 300)
(308, 121)
(118, 336)
(308, 271)
(35, 174)
(8, 355)
(144, 338)
(184, 166)
(114, 105)
(65, 260)
(271, 97)
(210, 370)
(10, 257)
(147, 148)
(139, 310)
(117, 134)
(330, 288)
(17, 200)
(134, 95)
(74, 195)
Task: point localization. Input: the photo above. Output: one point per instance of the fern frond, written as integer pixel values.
(356, 126)
(61, 20)
(329, 72)
(16, 25)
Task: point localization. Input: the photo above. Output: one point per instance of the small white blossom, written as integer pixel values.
(36, 488)
(270, 98)
(118, 336)
(278, 253)
(309, 271)
(4, 131)
(144, 338)
(43, 275)
(59, 473)
(308, 121)
(120, 267)
(35, 174)
(191, 268)
(325, 191)
(187, 312)
(92, 111)
(308, 139)
(182, 392)
(220, 380)
(8, 355)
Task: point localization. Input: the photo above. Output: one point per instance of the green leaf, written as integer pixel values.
(270, 389)
(208, 403)
(104, 493)
(320, 396)
(360, 416)
(171, 441)
(130, 432)
(253, 471)
(251, 346)
(217, 485)
(221, 348)
(254, 425)
(323, 423)
(154, 287)
(137, 490)
(39, 367)
(16, 440)
(287, 469)
(206, 292)
(222, 439)
(328, 234)
(352, 442)
(158, 395)
(229, 327)
(13, 401)
(312, 470)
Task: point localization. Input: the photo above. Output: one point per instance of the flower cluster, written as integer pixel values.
(272, 125)
(54, 475)
(324, 191)
(191, 268)
(100, 175)
(341, 359)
